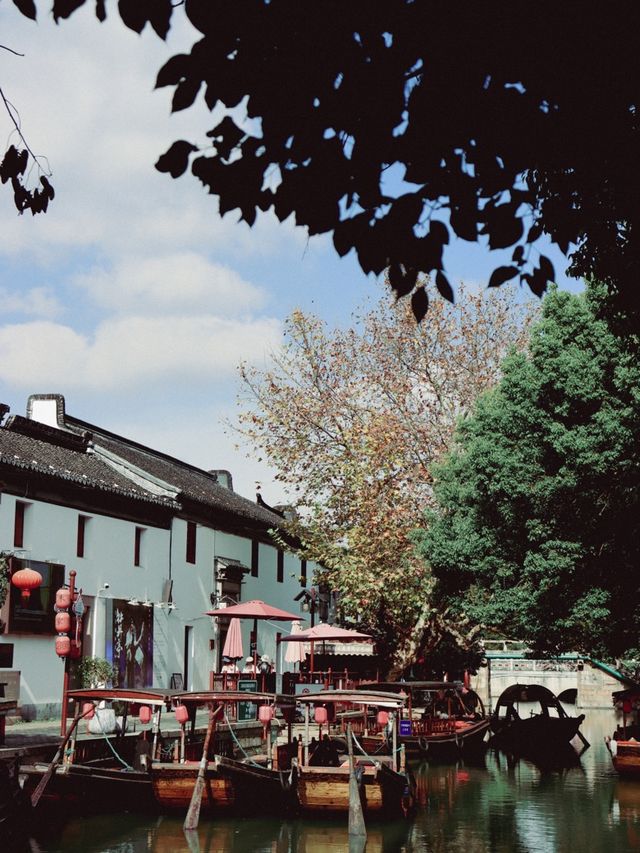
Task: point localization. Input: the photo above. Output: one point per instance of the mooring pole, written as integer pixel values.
(356, 817)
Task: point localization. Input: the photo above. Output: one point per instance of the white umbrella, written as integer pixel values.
(295, 651)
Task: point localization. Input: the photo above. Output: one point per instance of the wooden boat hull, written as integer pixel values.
(92, 788)
(625, 756)
(172, 786)
(444, 745)
(257, 788)
(325, 790)
(538, 733)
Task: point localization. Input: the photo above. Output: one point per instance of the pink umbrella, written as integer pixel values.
(322, 632)
(233, 641)
(255, 610)
(295, 651)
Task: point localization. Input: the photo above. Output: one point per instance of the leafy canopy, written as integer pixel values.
(352, 420)
(394, 126)
(536, 531)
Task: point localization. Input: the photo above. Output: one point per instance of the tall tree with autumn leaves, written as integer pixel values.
(352, 420)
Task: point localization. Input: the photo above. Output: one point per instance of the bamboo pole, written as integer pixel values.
(193, 814)
(356, 817)
(42, 784)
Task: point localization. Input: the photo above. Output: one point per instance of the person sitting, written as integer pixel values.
(265, 667)
(326, 754)
(228, 665)
(249, 667)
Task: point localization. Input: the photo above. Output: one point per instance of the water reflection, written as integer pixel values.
(498, 805)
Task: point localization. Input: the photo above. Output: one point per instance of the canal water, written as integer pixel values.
(493, 806)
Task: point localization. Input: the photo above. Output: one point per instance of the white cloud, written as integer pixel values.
(35, 302)
(132, 352)
(183, 282)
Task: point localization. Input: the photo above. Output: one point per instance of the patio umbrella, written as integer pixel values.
(233, 641)
(324, 632)
(295, 651)
(255, 610)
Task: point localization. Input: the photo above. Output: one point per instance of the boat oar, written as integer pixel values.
(42, 784)
(356, 817)
(193, 815)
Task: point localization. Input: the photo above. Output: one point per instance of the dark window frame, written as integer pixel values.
(18, 524)
(81, 535)
(280, 566)
(137, 546)
(191, 548)
(255, 558)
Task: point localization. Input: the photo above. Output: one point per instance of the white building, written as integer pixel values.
(154, 542)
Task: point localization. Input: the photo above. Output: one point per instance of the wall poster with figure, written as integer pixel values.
(132, 649)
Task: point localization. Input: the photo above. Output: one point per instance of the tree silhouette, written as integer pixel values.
(395, 125)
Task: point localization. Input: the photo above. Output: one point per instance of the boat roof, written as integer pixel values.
(141, 695)
(205, 697)
(354, 697)
(410, 686)
(528, 693)
(631, 693)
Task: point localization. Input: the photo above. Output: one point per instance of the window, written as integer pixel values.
(255, 550)
(18, 524)
(280, 577)
(303, 572)
(82, 526)
(35, 615)
(191, 541)
(137, 547)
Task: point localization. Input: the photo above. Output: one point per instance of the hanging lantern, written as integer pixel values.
(144, 714)
(182, 714)
(62, 622)
(627, 707)
(88, 710)
(382, 718)
(63, 646)
(26, 580)
(63, 598)
(265, 714)
(320, 715)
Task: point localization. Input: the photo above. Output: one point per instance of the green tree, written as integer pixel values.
(352, 421)
(536, 531)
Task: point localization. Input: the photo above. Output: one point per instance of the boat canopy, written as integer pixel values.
(142, 696)
(354, 697)
(528, 693)
(410, 686)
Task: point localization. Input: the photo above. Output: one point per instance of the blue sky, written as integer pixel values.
(131, 296)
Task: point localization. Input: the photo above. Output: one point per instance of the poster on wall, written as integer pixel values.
(132, 650)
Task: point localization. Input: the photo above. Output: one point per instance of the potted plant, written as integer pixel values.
(98, 672)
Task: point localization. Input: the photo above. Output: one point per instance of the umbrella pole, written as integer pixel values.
(311, 664)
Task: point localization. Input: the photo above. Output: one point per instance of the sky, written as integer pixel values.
(131, 296)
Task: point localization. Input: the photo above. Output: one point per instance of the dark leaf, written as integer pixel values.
(101, 11)
(518, 254)
(546, 268)
(439, 231)
(402, 280)
(535, 231)
(226, 136)
(176, 69)
(134, 14)
(27, 7)
(176, 159)
(502, 274)
(537, 281)
(419, 304)
(185, 94)
(49, 191)
(502, 225)
(444, 288)
(464, 223)
(65, 8)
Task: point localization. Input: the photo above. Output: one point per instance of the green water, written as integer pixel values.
(484, 808)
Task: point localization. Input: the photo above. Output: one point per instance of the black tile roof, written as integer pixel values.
(30, 446)
(193, 483)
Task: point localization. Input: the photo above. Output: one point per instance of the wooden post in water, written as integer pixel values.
(356, 817)
(193, 815)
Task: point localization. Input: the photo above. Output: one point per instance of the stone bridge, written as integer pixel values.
(507, 664)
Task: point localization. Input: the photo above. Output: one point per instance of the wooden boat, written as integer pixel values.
(546, 729)
(624, 746)
(15, 809)
(322, 786)
(254, 782)
(107, 771)
(441, 720)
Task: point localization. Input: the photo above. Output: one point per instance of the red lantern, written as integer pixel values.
(627, 707)
(26, 580)
(63, 598)
(63, 622)
(320, 715)
(76, 650)
(145, 714)
(63, 646)
(383, 718)
(88, 710)
(182, 714)
(265, 714)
